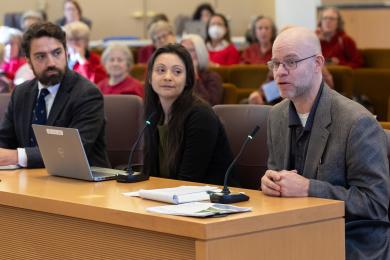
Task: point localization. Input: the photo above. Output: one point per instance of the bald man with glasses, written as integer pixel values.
(324, 145)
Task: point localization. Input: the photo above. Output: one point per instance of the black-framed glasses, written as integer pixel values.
(289, 64)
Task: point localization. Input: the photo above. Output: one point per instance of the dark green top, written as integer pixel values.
(162, 150)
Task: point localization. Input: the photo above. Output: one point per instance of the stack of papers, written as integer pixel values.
(198, 209)
(177, 195)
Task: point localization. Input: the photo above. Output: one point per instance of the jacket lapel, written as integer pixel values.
(28, 103)
(61, 98)
(319, 135)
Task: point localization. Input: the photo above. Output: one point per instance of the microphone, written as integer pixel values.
(225, 196)
(135, 176)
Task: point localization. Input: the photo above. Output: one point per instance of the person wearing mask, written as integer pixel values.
(337, 47)
(81, 59)
(73, 13)
(161, 33)
(118, 61)
(186, 140)
(56, 97)
(221, 50)
(208, 84)
(264, 32)
(322, 144)
(203, 12)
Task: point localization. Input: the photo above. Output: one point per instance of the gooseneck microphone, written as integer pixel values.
(132, 176)
(225, 196)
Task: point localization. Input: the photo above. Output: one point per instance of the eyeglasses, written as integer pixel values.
(288, 64)
(330, 18)
(161, 36)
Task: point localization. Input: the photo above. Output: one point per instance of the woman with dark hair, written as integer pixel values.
(186, 140)
(73, 13)
(221, 50)
(203, 12)
(337, 47)
(264, 33)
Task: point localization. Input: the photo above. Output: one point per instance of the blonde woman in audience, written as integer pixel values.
(161, 33)
(337, 47)
(208, 84)
(5, 83)
(73, 13)
(81, 59)
(221, 50)
(118, 61)
(13, 57)
(264, 33)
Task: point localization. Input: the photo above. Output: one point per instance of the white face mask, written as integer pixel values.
(216, 32)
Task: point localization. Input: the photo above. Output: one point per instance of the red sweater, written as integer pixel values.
(128, 86)
(92, 69)
(10, 68)
(144, 54)
(344, 48)
(253, 55)
(227, 56)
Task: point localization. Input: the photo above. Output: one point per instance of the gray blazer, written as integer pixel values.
(346, 157)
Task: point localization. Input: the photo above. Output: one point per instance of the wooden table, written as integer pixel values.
(46, 217)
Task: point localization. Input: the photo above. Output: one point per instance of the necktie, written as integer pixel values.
(39, 115)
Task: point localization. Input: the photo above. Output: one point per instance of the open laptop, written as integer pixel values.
(64, 155)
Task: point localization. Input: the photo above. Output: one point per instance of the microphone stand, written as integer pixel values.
(132, 176)
(225, 196)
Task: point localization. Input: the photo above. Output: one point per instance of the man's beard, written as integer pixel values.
(50, 80)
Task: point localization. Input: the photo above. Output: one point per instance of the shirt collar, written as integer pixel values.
(52, 89)
(294, 119)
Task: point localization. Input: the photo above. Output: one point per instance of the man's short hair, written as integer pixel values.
(44, 29)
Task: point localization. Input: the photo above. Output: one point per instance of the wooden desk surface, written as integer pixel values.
(104, 202)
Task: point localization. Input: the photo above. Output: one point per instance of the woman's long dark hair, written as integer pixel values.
(179, 111)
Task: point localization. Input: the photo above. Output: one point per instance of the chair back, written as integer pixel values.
(239, 121)
(124, 114)
(4, 100)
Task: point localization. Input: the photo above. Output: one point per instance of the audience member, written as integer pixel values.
(29, 18)
(13, 56)
(73, 13)
(81, 59)
(57, 97)
(322, 144)
(337, 47)
(25, 72)
(203, 12)
(208, 84)
(161, 33)
(221, 50)
(186, 140)
(264, 32)
(5, 83)
(118, 61)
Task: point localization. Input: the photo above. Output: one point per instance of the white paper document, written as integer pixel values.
(177, 195)
(198, 209)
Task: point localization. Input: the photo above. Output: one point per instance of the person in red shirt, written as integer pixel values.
(13, 57)
(264, 33)
(81, 59)
(161, 33)
(118, 61)
(337, 47)
(221, 50)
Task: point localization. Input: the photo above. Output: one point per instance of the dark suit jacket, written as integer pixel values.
(78, 104)
(346, 160)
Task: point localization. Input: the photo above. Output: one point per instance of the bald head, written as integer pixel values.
(302, 40)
